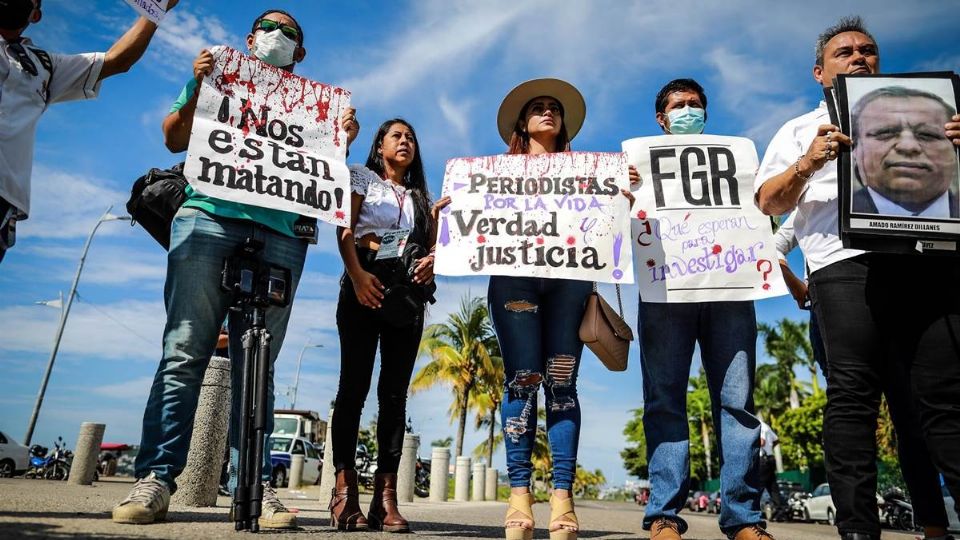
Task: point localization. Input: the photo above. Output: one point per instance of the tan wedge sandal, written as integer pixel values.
(520, 504)
(562, 514)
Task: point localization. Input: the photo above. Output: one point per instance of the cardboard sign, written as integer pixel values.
(151, 9)
(265, 137)
(552, 216)
(697, 234)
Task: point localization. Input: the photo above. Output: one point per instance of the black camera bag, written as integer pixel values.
(403, 300)
(155, 198)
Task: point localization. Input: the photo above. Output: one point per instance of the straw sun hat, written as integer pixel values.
(574, 108)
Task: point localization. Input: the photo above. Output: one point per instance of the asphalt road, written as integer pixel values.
(47, 509)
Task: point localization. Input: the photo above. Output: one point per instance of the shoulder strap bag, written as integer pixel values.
(605, 332)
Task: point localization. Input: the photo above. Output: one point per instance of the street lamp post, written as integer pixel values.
(296, 380)
(107, 216)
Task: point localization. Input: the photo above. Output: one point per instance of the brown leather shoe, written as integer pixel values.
(753, 532)
(383, 514)
(345, 513)
(665, 529)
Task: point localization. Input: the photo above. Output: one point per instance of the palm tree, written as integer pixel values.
(486, 403)
(789, 344)
(699, 409)
(460, 352)
(771, 391)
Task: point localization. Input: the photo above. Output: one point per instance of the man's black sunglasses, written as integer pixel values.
(267, 25)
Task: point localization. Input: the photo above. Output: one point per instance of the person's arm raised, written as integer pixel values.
(130, 47)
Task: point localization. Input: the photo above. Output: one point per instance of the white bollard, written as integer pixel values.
(479, 481)
(407, 473)
(200, 480)
(461, 484)
(85, 455)
(491, 484)
(328, 476)
(439, 472)
(296, 472)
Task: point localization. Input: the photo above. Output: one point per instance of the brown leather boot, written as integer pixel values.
(384, 515)
(345, 513)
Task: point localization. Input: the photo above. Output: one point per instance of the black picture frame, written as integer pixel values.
(889, 227)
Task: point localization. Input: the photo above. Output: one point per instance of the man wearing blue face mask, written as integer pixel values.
(727, 335)
(204, 232)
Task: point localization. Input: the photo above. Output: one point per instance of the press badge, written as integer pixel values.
(392, 243)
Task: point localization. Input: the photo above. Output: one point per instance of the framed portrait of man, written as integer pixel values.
(900, 179)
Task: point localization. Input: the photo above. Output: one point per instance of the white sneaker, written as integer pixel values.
(147, 502)
(273, 514)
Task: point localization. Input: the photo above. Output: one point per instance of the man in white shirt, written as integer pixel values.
(768, 467)
(31, 80)
(878, 322)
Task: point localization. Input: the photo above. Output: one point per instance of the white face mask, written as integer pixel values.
(274, 48)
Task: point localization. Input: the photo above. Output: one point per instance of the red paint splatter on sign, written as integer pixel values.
(766, 286)
(540, 240)
(717, 249)
(571, 240)
(651, 263)
(642, 214)
(339, 214)
(481, 239)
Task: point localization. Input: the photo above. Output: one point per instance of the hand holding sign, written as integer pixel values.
(153, 9)
(697, 236)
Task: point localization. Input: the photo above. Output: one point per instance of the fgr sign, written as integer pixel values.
(696, 234)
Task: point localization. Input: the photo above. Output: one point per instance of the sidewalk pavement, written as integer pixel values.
(48, 509)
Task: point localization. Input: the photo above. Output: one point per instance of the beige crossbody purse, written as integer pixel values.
(605, 332)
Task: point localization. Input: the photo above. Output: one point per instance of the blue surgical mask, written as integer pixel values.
(686, 121)
(274, 48)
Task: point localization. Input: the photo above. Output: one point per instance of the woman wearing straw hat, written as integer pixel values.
(537, 322)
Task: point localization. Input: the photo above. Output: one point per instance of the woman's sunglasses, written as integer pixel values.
(269, 26)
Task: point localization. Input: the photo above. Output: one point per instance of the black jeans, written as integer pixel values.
(891, 324)
(768, 479)
(361, 330)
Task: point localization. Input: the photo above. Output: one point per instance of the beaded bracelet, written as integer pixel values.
(796, 169)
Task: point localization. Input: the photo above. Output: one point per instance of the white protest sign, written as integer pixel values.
(697, 234)
(151, 9)
(552, 215)
(265, 137)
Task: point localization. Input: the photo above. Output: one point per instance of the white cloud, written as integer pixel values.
(183, 34)
(66, 205)
(134, 389)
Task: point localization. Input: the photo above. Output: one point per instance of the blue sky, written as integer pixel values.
(442, 65)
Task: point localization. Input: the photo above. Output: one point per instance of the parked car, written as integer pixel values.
(820, 505)
(14, 457)
(952, 518)
(281, 450)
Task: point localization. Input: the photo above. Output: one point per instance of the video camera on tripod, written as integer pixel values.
(255, 285)
(253, 281)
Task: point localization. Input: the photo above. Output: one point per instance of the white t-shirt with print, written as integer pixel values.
(24, 97)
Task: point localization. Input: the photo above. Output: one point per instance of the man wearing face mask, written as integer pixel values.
(33, 79)
(204, 232)
(727, 334)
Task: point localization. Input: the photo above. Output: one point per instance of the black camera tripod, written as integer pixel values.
(256, 286)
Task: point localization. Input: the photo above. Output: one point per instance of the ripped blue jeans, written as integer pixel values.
(537, 322)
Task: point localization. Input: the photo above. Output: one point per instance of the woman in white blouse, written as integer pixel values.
(391, 214)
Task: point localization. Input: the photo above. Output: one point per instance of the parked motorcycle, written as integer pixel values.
(366, 466)
(55, 466)
(896, 511)
(421, 486)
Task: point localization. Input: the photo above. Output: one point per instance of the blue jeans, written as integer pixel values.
(727, 333)
(537, 322)
(196, 307)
